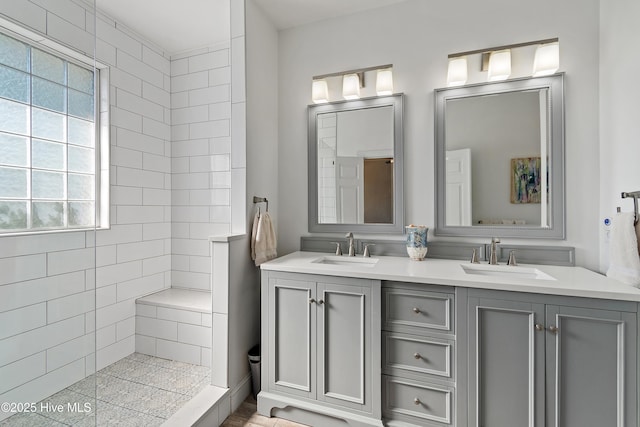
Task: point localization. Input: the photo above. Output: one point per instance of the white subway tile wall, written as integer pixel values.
(174, 182)
(200, 166)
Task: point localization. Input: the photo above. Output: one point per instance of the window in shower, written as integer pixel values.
(49, 154)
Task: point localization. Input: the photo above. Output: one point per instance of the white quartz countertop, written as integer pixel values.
(568, 281)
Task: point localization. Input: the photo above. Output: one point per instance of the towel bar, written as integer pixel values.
(634, 195)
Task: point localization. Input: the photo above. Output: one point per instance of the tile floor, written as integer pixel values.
(246, 416)
(138, 390)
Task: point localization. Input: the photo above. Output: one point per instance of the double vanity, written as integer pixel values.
(390, 341)
(387, 341)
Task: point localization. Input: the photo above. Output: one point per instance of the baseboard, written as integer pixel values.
(240, 392)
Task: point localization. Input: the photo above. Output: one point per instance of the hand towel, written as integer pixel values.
(263, 239)
(624, 259)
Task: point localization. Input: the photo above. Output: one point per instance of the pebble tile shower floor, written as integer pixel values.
(138, 390)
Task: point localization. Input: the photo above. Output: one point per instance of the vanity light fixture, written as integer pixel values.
(319, 92)
(351, 86)
(457, 72)
(497, 61)
(499, 65)
(384, 82)
(547, 59)
(352, 81)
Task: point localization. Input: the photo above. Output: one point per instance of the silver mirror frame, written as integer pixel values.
(396, 101)
(557, 229)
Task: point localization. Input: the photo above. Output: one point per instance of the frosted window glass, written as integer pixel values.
(13, 150)
(47, 155)
(13, 215)
(14, 84)
(81, 213)
(47, 124)
(80, 78)
(81, 159)
(14, 117)
(13, 183)
(14, 53)
(47, 139)
(80, 104)
(80, 187)
(47, 214)
(80, 132)
(49, 95)
(47, 185)
(48, 66)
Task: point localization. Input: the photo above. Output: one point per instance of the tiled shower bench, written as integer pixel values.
(175, 324)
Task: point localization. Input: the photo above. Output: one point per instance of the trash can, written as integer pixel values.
(254, 365)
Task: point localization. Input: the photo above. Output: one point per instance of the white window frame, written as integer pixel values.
(102, 191)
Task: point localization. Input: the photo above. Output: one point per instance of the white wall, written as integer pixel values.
(416, 36)
(48, 284)
(263, 160)
(619, 111)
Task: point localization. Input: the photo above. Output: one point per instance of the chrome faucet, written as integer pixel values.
(493, 255)
(352, 249)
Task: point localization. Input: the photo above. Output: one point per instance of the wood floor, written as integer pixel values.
(246, 416)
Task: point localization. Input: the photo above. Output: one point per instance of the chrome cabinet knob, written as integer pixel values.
(416, 401)
(417, 356)
(539, 327)
(553, 329)
(320, 301)
(416, 310)
(311, 300)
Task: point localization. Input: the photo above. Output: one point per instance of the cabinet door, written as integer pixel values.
(291, 351)
(344, 345)
(591, 359)
(506, 363)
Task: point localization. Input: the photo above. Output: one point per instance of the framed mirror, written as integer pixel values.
(355, 166)
(500, 159)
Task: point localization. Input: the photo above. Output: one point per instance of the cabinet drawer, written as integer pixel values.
(417, 402)
(417, 355)
(416, 310)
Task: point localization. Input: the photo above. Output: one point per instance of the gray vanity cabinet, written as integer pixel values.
(538, 361)
(322, 336)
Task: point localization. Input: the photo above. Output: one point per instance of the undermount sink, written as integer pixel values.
(346, 260)
(516, 272)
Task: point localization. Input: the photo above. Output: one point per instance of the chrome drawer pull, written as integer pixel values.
(416, 310)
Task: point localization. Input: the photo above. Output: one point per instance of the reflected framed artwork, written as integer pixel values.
(525, 180)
